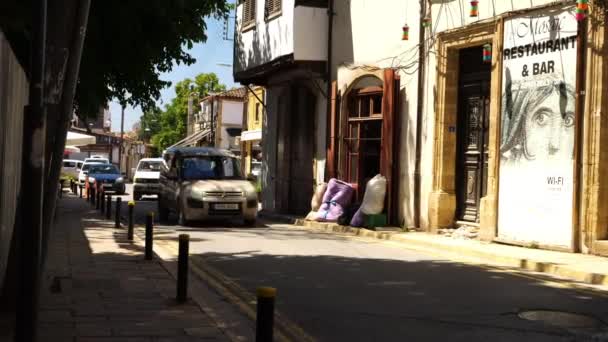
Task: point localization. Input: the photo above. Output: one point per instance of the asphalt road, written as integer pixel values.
(338, 288)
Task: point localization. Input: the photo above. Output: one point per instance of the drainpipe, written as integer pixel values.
(330, 25)
(419, 115)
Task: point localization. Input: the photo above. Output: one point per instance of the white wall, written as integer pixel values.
(301, 31)
(367, 35)
(267, 41)
(232, 112)
(310, 34)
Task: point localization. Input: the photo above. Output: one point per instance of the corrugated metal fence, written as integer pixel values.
(13, 98)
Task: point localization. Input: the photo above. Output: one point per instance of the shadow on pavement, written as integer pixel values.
(97, 285)
(337, 298)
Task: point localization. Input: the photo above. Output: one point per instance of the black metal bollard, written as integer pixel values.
(130, 229)
(117, 212)
(182, 268)
(149, 237)
(102, 205)
(80, 188)
(88, 193)
(109, 207)
(98, 199)
(93, 195)
(265, 314)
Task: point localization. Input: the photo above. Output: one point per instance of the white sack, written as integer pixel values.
(317, 197)
(373, 199)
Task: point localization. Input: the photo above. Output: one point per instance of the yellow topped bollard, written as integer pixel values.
(265, 314)
(131, 206)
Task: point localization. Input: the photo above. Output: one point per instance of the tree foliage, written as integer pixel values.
(168, 126)
(129, 43)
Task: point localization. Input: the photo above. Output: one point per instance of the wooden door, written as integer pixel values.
(301, 180)
(472, 133)
(472, 163)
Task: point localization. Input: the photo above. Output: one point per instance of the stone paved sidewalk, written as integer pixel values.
(98, 287)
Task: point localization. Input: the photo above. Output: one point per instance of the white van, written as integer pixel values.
(147, 174)
(71, 167)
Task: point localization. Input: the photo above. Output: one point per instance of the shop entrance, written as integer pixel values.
(472, 133)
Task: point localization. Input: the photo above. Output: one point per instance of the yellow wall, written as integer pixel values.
(253, 104)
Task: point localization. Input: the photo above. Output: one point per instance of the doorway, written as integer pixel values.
(472, 133)
(295, 152)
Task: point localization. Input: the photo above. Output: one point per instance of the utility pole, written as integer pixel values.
(122, 133)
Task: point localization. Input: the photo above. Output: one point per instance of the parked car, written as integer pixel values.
(146, 177)
(201, 183)
(84, 170)
(71, 167)
(107, 176)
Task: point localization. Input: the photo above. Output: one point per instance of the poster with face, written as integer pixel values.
(537, 128)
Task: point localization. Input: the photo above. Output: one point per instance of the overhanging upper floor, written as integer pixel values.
(278, 34)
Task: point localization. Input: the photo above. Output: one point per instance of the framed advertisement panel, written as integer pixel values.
(538, 133)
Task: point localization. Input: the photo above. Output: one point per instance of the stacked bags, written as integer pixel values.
(330, 201)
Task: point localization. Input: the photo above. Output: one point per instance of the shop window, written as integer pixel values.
(272, 9)
(248, 14)
(257, 112)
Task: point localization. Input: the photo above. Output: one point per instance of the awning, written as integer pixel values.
(78, 139)
(71, 149)
(192, 139)
(255, 134)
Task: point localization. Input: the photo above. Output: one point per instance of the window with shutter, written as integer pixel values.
(272, 9)
(248, 14)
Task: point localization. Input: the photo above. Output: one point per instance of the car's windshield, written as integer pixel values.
(149, 166)
(86, 167)
(103, 169)
(210, 168)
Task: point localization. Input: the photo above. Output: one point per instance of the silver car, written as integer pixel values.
(201, 183)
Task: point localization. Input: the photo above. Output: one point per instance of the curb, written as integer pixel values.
(460, 250)
(244, 301)
(274, 217)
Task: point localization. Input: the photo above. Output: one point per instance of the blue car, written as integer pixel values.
(107, 176)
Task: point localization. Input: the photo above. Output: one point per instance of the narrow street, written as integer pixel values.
(354, 289)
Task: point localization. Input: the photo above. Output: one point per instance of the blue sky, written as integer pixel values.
(208, 55)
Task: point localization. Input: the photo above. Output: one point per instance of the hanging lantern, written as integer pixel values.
(426, 22)
(582, 6)
(487, 53)
(406, 32)
(474, 8)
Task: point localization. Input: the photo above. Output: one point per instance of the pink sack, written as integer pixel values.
(337, 196)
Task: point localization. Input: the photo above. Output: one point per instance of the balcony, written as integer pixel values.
(294, 34)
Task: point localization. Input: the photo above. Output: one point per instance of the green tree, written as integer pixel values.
(149, 124)
(129, 43)
(173, 119)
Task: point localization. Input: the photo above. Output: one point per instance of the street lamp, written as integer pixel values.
(189, 128)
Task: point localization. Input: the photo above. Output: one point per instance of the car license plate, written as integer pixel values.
(226, 206)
